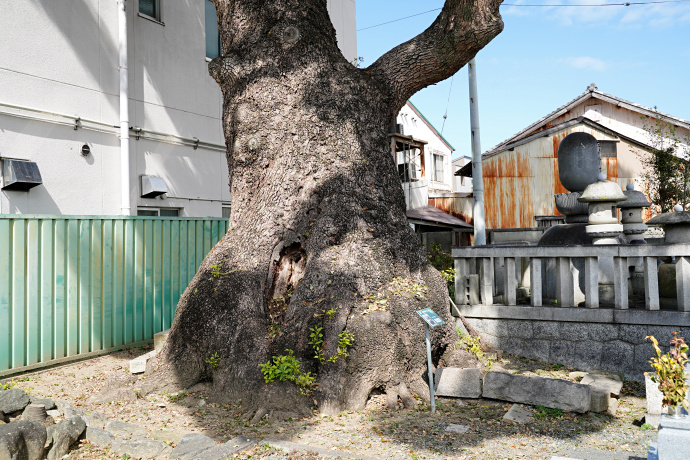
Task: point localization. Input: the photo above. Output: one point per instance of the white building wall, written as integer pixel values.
(61, 57)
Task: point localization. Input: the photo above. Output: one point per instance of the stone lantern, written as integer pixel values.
(631, 215)
(676, 227)
(603, 197)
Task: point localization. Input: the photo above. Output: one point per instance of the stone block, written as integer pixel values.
(512, 345)
(191, 445)
(653, 395)
(575, 332)
(227, 450)
(616, 354)
(663, 334)
(13, 400)
(562, 352)
(599, 401)
(518, 414)
(460, 429)
(674, 438)
(49, 403)
(63, 435)
(22, 440)
(606, 383)
(603, 332)
(458, 383)
(167, 436)
(138, 364)
(159, 339)
(632, 333)
(516, 329)
(546, 330)
(587, 355)
(118, 428)
(553, 393)
(138, 447)
(642, 354)
(95, 420)
(613, 407)
(99, 437)
(536, 349)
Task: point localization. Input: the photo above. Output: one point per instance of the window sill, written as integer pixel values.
(149, 18)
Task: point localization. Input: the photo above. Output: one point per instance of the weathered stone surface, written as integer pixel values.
(63, 435)
(632, 333)
(611, 384)
(545, 330)
(139, 447)
(518, 414)
(118, 428)
(536, 349)
(674, 438)
(562, 352)
(68, 410)
(98, 436)
(553, 393)
(575, 332)
(138, 364)
(599, 401)
(653, 395)
(191, 445)
(167, 436)
(13, 400)
(460, 429)
(159, 339)
(603, 332)
(458, 383)
(617, 352)
(226, 450)
(108, 395)
(95, 420)
(35, 413)
(53, 413)
(49, 403)
(578, 161)
(22, 440)
(587, 354)
(613, 407)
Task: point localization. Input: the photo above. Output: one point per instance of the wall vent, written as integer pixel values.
(152, 186)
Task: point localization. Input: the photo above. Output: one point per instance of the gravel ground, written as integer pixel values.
(374, 432)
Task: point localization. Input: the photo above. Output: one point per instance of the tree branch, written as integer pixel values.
(461, 29)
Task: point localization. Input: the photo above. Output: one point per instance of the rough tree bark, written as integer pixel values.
(318, 221)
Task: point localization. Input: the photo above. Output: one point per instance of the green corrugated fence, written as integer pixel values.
(71, 286)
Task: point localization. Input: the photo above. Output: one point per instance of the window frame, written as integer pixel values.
(206, 26)
(157, 18)
(434, 171)
(158, 211)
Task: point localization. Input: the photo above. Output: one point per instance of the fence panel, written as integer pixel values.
(74, 286)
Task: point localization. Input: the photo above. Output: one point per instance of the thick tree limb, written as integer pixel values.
(458, 33)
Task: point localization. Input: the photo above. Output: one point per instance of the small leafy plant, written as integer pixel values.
(542, 412)
(670, 371)
(213, 360)
(9, 385)
(286, 368)
(345, 339)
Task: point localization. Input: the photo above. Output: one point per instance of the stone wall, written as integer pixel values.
(612, 340)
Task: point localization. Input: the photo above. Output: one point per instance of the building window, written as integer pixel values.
(608, 149)
(212, 33)
(158, 212)
(409, 164)
(225, 211)
(437, 162)
(150, 8)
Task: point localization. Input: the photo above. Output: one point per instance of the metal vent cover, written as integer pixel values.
(152, 186)
(20, 175)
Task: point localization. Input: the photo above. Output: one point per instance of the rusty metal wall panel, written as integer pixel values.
(74, 286)
(460, 207)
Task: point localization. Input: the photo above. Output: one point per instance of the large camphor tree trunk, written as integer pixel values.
(318, 236)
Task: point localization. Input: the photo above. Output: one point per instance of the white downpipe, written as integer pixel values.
(477, 177)
(124, 108)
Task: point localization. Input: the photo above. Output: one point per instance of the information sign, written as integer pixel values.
(431, 318)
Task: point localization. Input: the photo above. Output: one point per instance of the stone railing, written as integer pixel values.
(574, 275)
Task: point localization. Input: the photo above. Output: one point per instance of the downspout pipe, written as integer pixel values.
(477, 178)
(124, 109)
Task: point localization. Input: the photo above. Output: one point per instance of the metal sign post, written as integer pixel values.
(431, 319)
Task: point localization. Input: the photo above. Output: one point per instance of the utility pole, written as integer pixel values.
(477, 178)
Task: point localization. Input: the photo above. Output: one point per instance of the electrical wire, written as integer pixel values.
(536, 5)
(445, 115)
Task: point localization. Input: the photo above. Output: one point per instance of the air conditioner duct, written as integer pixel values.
(20, 175)
(152, 186)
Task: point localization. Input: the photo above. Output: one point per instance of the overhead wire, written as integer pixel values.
(551, 5)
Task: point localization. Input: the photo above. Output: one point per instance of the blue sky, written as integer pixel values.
(545, 57)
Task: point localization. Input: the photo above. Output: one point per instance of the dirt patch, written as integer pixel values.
(373, 432)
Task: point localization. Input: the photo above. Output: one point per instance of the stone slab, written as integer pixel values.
(118, 428)
(609, 382)
(138, 364)
(191, 446)
(518, 414)
(168, 436)
(460, 429)
(599, 402)
(552, 393)
(22, 439)
(293, 446)
(13, 400)
(673, 433)
(138, 447)
(160, 338)
(99, 437)
(458, 383)
(654, 396)
(228, 449)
